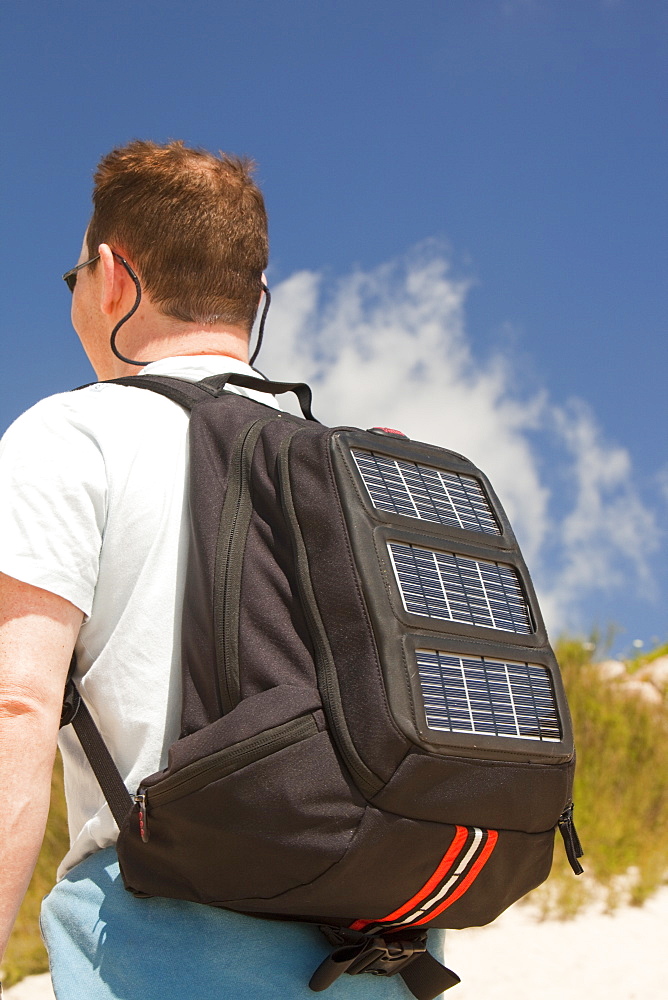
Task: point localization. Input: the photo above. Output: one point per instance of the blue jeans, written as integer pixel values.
(104, 944)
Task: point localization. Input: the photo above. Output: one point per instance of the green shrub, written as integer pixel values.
(642, 659)
(621, 791)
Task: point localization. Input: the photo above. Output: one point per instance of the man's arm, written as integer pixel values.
(37, 635)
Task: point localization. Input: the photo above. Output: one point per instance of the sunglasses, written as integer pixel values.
(70, 277)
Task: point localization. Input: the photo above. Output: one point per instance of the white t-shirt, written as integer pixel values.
(93, 508)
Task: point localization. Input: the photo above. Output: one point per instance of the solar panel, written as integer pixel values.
(472, 694)
(426, 493)
(458, 588)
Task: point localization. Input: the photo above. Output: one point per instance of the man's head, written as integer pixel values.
(192, 224)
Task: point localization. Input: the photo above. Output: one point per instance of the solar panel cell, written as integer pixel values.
(472, 694)
(458, 588)
(425, 493)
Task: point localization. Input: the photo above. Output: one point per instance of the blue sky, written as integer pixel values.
(487, 176)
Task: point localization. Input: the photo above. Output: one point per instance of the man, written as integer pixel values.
(92, 557)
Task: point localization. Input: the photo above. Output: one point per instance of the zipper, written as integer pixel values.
(218, 765)
(368, 782)
(232, 532)
(571, 839)
(140, 802)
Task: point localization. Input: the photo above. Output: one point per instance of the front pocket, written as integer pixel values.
(218, 765)
(250, 821)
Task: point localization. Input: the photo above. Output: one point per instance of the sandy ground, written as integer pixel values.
(32, 988)
(594, 957)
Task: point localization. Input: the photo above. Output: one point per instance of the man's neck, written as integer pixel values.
(231, 343)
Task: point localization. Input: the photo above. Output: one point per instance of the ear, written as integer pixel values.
(114, 281)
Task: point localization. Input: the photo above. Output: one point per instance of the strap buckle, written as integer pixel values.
(387, 958)
(404, 952)
(358, 953)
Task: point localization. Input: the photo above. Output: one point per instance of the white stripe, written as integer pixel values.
(486, 595)
(434, 556)
(407, 488)
(451, 501)
(444, 890)
(466, 692)
(511, 695)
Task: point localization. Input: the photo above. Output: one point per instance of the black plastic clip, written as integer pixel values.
(383, 956)
(71, 703)
(374, 955)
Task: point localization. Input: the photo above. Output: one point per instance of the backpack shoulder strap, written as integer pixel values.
(188, 393)
(301, 390)
(75, 711)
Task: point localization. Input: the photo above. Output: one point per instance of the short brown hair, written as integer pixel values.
(193, 224)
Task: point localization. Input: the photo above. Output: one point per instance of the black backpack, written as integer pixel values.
(375, 736)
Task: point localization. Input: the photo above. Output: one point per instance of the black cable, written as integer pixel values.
(141, 364)
(260, 333)
(112, 341)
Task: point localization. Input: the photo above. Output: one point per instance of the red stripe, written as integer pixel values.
(448, 860)
(468, 881)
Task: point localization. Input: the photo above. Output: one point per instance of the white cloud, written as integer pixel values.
(389, 347)
(608, 534)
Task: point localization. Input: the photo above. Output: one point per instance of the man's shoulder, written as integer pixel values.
(99, 405)
(52, 414)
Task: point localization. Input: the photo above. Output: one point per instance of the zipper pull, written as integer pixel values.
(140, 801)
(571, 839)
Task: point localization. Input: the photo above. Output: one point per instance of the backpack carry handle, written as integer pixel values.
(301, 390)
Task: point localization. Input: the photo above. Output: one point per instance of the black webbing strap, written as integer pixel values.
(188, 393)
(301, 390)
(426, 978)
(76, 712)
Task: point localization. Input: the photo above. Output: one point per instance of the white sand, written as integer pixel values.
(594, 957)
(32, 988)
